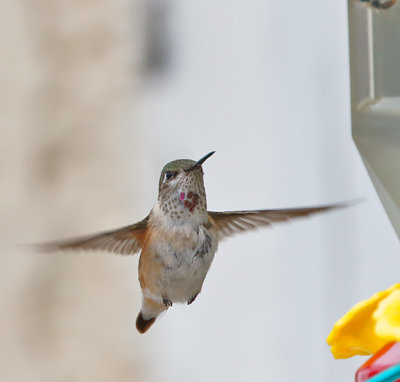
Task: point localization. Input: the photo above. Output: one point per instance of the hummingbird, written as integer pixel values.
(179, 237)
(379, 4)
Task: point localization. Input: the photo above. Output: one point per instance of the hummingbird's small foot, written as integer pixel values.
(167, 302)
(193, 298)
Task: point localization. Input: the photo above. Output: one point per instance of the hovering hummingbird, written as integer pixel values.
(179, 237)
(380, 4)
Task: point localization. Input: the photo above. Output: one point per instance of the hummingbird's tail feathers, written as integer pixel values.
(143, 325)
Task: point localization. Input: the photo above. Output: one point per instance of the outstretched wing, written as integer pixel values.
(125, 241)
(226, 224)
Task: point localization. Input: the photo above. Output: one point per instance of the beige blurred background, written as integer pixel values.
(95, 97)
(68, 77)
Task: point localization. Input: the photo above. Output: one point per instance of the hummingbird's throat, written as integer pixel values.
(189, 200)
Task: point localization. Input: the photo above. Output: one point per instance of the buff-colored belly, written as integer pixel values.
(183, 282)
(175, 269)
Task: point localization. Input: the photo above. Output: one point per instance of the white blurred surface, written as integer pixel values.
(266, 84)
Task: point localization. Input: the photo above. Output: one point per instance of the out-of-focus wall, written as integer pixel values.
(67, 154)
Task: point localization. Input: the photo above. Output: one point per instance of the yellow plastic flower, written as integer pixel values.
(368, 326)
(387, 317)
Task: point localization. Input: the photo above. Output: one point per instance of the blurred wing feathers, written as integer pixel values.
(124, 241)
(226, 224)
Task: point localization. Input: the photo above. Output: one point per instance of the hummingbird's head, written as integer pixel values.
(181, 186)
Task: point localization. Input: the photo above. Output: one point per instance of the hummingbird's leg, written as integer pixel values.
(193, 298)
(167, 302)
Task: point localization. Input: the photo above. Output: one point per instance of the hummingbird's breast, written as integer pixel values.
(180, 256)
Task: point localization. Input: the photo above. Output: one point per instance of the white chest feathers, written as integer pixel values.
(186, 252)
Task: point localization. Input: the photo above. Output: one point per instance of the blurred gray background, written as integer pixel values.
(95, 97)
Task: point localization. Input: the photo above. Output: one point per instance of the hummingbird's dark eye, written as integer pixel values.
(169, 175)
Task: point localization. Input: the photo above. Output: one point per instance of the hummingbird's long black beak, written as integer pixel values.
(199, 162)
